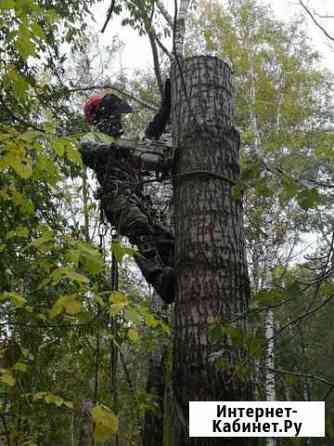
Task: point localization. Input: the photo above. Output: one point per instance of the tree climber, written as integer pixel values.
(119, 173)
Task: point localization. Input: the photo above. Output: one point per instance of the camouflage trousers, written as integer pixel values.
(132, 216)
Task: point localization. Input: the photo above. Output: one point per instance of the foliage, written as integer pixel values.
(62, 324)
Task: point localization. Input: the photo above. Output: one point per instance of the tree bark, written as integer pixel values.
(153, 423)
(86, 437)
(210, 259)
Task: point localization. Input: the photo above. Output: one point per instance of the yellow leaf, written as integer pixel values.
(57, 309)
(119, 302)
(69, 304)
(133, 335)
(116, 309)
(18, 300)
(21, 367)
(7, 377)
(106, 423)
(119, 298)
(72, 305)
(68, 404)
(151, 321)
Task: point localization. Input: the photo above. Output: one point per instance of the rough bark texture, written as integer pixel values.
(210, 259)
(86, 437)
(153, 423)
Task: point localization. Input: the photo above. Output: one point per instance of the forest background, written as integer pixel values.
(67, 337)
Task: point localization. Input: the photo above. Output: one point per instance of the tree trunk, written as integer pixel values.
(86, 437)
(270, 386)
(210, 259)
(153, 423)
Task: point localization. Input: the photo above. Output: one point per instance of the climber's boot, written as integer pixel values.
(162, 278)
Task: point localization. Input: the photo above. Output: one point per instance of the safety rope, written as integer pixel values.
(203, 173)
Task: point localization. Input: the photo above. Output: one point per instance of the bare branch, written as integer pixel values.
(315, 21)
(165, 13)
(18, 118)
(326, 396)
(155, 60)
(300, 375)
(161, 45)
(152, 107)
(109, 14)
(321, 16)
(153, 42)
(303, 316)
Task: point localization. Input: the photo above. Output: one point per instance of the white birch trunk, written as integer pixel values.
(180, 28)
(267, 273)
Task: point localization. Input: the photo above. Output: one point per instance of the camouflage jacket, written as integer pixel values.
(112, 163)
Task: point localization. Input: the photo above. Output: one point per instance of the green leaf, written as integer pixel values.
(21, 367)
(25, 45)
(68, 304)
(73, 154)
(268, 297)
(68, 404)
(59, 145)
(119, 302)
(118, 297)
(90, 258)
(7, 4)
(54, 399)
(18, 300)
(87, 257)
(51, 398)
(308, 198)
(44, 241)
(105, 421)
(294, 291)
(115, 309)
(262, 188)
(219, 331)
(131, 315)
(57, 309)
(151, 321)
(17, 159)
(7, 378)
(20, 231)
(72, 305)
(18, 82)
(63, 273)
(133, 335)
(120, 251)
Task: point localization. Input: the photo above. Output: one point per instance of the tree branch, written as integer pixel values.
(300, 375)
(304, 315)
(156, 61)
(145, 104)
(302, 4)
(165, 13)
(109, 14)
(18, 118)
(153, 42)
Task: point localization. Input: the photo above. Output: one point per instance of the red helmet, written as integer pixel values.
(91, 107)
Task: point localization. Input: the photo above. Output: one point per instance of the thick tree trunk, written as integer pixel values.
(153, 424)
(210, 260)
